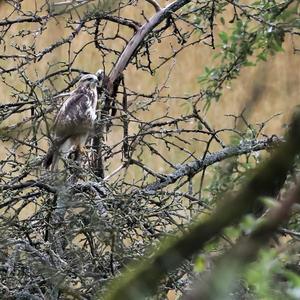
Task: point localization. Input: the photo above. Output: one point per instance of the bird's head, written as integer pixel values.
(88, 80)
(100, 76)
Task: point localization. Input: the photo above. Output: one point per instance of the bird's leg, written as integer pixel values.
(79, 152)
(82, 150)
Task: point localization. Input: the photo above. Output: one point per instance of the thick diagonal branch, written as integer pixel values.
(244, 252)
(113, 80)
(140, 36)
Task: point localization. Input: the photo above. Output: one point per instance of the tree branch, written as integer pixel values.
(196, 166)
(155, 5)
(244, 252)
(140, 35)
(28, 184)
(147, 274)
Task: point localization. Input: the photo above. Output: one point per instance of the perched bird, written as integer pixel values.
(74, 121)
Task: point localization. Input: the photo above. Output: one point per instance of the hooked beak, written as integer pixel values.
(100, 76)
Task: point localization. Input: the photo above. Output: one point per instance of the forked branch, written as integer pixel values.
(141, 34)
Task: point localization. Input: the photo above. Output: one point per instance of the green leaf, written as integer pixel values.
(199, 265)
(262, 56)
(248, 223)
(224, 37)
(248, 63)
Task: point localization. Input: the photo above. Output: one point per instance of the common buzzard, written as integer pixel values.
(74, 121)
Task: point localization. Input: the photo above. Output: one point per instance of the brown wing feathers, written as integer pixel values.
(75, 117)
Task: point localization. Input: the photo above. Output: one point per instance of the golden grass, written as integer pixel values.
(280, 77)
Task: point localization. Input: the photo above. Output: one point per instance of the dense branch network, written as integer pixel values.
(155, 159)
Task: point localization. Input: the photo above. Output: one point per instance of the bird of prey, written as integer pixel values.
(75, 120)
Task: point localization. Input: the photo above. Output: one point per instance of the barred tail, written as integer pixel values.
(53, 153)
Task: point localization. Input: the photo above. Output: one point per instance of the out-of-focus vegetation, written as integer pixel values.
(203, 100)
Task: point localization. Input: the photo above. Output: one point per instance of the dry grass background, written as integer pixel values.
(279, 77)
